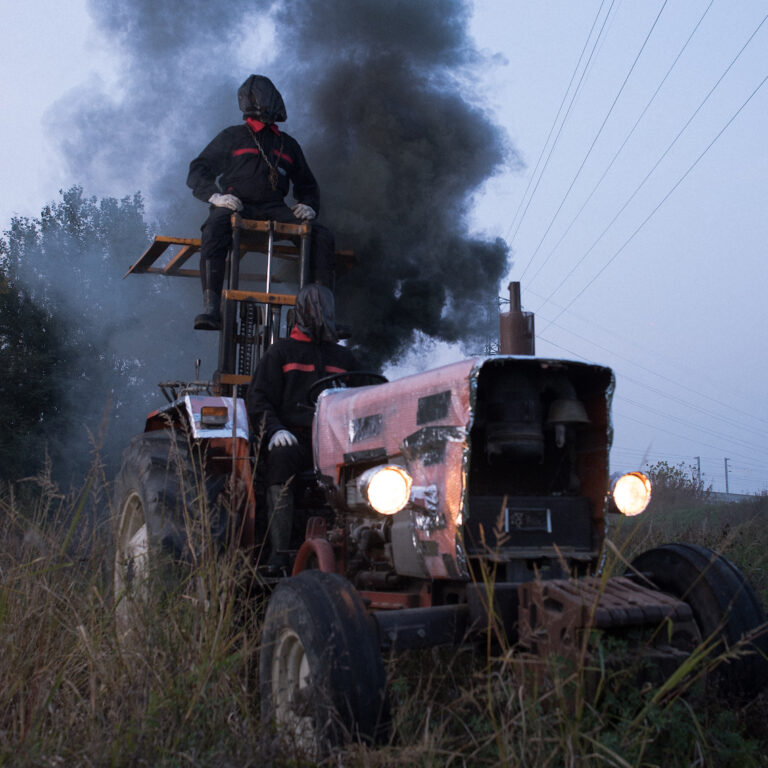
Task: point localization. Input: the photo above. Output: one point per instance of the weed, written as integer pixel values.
(185, 693)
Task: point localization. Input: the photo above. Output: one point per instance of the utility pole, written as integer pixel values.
(726, 476)
(698, 469)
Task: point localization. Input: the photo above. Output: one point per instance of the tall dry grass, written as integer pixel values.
(185, 693)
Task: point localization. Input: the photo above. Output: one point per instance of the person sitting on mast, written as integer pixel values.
(249, 169)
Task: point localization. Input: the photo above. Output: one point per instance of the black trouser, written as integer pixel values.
(284, 463)
(217, 237)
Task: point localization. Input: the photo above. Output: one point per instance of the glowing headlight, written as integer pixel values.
(386, 489)
(632, 492)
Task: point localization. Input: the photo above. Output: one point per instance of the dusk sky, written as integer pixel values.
(637, 223)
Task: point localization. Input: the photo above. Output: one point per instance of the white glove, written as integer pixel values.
(303, 211)
(282, 439)
(226, 201)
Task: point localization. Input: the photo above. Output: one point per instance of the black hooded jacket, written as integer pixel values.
(235, 157)
(277, 395)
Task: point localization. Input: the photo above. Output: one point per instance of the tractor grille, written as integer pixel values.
(528, 522)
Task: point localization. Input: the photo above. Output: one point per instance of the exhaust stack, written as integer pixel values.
(516, 328)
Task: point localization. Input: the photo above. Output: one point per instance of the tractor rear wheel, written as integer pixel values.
(157, 494)
(321, 673)
(724, 606)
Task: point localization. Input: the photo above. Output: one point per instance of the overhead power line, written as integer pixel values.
(554, 122)
(565, 117)
(653, 212)
(694, 425)
(654, 371)
(648, 175)
(752, 418)
(597, 135)
(683, 437)
(731, 440)
(624, 143)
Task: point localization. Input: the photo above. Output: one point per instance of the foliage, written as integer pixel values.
(186, 694)
(31, 349)
(676, 486)
(90, 346)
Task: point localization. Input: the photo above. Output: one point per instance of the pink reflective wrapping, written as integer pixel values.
(397, 404)
(441, 527)
(379, 419)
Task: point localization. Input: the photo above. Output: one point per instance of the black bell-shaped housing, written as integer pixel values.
(257, 97)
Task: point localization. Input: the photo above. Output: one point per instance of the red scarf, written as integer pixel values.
(299, 335)
(258, 126)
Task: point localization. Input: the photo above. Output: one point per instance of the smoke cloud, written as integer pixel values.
(381, 97)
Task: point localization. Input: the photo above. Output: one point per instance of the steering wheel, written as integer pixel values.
(348, 379)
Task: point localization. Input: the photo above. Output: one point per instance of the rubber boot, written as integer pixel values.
(212, 279)
(280, 506)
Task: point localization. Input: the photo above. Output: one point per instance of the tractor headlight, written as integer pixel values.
(386, 489)
(631, 493)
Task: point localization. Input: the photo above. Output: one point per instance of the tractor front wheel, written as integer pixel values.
(321, 673)
(725, 609)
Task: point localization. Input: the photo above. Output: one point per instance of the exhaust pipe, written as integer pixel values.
(516, 328)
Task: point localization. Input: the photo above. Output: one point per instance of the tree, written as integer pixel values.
(30, 350)
(676, 485)
(94, 345)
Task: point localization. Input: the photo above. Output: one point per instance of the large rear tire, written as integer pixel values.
(321, 673)
(724, 607)
(158, 492)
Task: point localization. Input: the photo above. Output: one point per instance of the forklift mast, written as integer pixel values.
(255, 316)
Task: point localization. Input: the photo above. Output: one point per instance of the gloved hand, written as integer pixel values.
(226, 201)
(304, 211)
(282, 439)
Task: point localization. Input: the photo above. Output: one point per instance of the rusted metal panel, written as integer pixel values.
(158, 247)
(173, 266)
(252, 225)
(244, 498)
(516, 328)
(298, 230)
(255, 227)
(553, 614)
(394, 601)
(284, 299)
(234, 378)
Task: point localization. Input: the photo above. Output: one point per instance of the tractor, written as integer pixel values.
(443, 506)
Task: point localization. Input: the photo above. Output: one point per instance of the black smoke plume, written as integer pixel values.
(379, 93)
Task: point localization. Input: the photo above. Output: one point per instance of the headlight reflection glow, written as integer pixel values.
(387, 489)
(632, 492)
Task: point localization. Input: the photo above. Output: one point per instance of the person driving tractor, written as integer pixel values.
(249, 169)
(278, 404)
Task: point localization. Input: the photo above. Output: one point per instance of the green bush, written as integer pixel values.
(676, 486)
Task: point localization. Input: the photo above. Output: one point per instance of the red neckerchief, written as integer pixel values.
(299, 335)
(258, 126)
